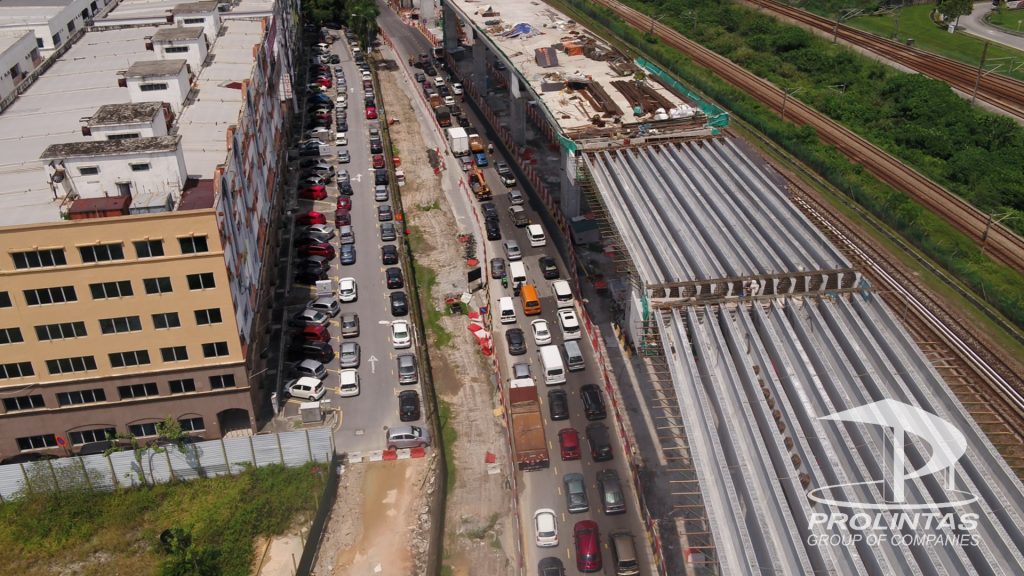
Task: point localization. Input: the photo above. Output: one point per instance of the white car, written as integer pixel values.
(456, 88)
(400, 335)
(570, 324)
(449, 101)
(341, 139)
(546, 527)
(311, 368)
(541, 332)
(347, 289)
(349, 382)
(439, 81)
(341, 99)
(316, 132)
(343, 157)
(306, 387)
(325, 229)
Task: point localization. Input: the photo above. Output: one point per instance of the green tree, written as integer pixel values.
(955, 8)
(361, 17)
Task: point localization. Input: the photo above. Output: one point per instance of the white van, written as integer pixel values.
(563, 294)
(570, 324)
(574, 356)
(506, 310)
(517, 273)
(535, 232)
(551, 363)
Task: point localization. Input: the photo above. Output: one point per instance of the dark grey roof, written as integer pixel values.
(147, 68)
(196, 7)
(110, 147)
(125, 113)
(175, 33)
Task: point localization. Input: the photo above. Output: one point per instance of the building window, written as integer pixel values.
(192, 424)
(140, 167)
(56, 40)
(5, 300)
(81, 397)
(10, 335)
(48, 332)
(89, 170)
(123, 188)
(140, 430)
(120, 325)
(208, 316)
(222, 381)
(39, 43)
(129, 358)
(37, 442)
(215, 349)
(202, 281)
(119, 289)
(193, 244)
(123, 136)
(149, 248)
(71, 27)
(153, 87)
(160, 285)
(39, 258)
(174, 354)
(16, 370)
(194, 20)
(56, 295)
(175, 49)
(138, 391)
(182, 386)
(30, 402)
(166, 320)
(89, 436)
(74, 364)
(102, 252)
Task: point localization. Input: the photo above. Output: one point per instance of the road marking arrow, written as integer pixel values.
(373, 364)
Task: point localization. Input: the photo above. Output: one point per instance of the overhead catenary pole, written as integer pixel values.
(981, 72)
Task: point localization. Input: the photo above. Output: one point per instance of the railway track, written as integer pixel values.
(999, 242)
(1003, 92)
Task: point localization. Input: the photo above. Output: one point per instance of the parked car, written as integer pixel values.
(408, 372)
(575, 493)
(610, 489)
(489, 210)
(516, 198)
(388, 232)
(497, 268)
(401, 337)
(326, 305)
(345, 188)
(408, 405)
(548, 267)
(348, 254)
(322, 229)
(380, 193)
(558, 404)
(389, 254)
(588, 546)
(569, 444)
(348, 383)
(343, 157)
(600, 442)
(457, 88)
(406, 437)
(550, 566)
(384, 213)
(311, 368)
(342, 218)
(493, 229)
(377, 160)
(593, 404)
(380, 177)
(307, 277)
(344, 203)
(349, 325)
(545, 527)
(313, 334)
(349, 354)
(516, 341)
(399, 303)
(521, 370)
(308, 317)
(309, 218)
(306, 388)
(371, 113)
(317, 249)
(320, 351)
(393, 277)
(347, 290)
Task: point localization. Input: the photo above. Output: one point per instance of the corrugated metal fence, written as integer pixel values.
(199, 460)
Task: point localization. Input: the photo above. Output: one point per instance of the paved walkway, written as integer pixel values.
(974, 24)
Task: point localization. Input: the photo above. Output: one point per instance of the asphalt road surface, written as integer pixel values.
(364, 418)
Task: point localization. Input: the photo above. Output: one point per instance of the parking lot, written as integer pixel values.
(365, 392)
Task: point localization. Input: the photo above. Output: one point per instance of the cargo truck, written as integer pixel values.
(528, 441)
(478, 185)
(444, 116)
(476, 146)
(458, 141)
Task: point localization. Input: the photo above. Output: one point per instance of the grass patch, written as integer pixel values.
(448, 437)
(118, 532)
(481, 532)
(915, 23)
(1011, 20)
(447, 570)
(426, 279)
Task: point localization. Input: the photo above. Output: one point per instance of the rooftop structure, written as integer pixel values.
(125, 113)
(54, 22)
(195, 7)
(110, 147)
(174, 33)
(156, 11)
(577, 76)
(145, 68)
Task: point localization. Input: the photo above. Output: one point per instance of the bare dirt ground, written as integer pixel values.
(479, 537)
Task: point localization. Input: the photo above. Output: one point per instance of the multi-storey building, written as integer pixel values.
(135, 233)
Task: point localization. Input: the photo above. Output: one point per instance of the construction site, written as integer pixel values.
(780, 393)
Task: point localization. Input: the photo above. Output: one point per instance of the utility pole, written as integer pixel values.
(981, 71)
(992, 219)
(785, 98)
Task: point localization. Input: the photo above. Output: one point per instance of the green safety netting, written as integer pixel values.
(717, 117)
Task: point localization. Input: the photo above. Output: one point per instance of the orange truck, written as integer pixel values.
(528, 441)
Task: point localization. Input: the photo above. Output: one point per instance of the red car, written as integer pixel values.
(569, 443)
(319, 249)
(325, 82)
(371, 113)
(378, 160)
(313, 193)
(588, 546)
(314, 334)
(342, 218)
(344, 203)
(310, 218)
